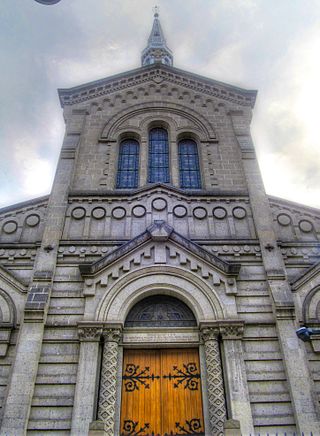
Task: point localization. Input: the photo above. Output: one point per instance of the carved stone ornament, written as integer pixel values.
(112, 335)
(231, 331)
(210, 334)
(89, 333)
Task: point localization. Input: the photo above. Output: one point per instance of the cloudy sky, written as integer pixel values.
(269, 45)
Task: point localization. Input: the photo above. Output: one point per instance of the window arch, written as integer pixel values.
(128, 164)
(158, 156)
(160, 311)
(189, 167)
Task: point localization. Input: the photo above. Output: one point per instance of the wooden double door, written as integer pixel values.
(161, 393)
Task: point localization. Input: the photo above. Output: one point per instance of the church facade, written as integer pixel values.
(157, 290)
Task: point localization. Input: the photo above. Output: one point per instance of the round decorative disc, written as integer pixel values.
(305, 226)
(139, 211)
(239, 213)
(78, 213)
(10, 227)
(32, 220)
(200, 213)
(180, 211)
(219, 213)
(98, 213)
(159, 204)
(118, 213)
(284, 219)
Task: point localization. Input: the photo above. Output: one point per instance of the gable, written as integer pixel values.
(157, 74)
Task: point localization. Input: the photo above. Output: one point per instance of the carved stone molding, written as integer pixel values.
(89, 333)
(108, 387)
(210, 334)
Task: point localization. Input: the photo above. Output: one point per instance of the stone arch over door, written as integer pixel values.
(194, 292)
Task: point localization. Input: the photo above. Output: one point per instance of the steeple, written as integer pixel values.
(157, 49)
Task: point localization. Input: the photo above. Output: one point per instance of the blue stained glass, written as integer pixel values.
(128, 165)
(158, 156)
(189, 165)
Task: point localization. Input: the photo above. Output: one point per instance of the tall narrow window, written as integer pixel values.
(128, 165)
(189, 165)
(158, 156)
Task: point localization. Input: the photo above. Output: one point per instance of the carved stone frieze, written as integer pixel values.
(231, 331)
(112, 335)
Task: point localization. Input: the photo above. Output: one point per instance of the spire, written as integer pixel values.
(156, 50)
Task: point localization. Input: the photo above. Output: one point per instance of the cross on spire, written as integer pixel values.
(157, 49)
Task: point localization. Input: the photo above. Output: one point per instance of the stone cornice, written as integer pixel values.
(305, 277)
(157, 73)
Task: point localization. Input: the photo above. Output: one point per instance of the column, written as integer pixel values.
(216, 397)
(236, 374)
(109, 370)
(87, 378)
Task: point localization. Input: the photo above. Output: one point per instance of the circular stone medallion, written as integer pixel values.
(200, 213)
(159, 204)
(139, 211)
(118, 213)
(239, 213)
(284, 219)
(180, 211)
(98, 213)
(32, 220)
(219, 212)
(10, 227)
(78, 213)
(305, 226)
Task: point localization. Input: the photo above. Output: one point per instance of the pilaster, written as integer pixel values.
(239, 400)
(87, 378)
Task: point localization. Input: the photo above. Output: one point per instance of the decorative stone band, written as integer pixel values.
(108, 389)
(226, 329)
(90, 332)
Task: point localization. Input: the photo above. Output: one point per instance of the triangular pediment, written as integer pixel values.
(160, 244)
(157, 73)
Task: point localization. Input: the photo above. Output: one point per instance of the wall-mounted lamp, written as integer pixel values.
(47, 2)
(305, 333)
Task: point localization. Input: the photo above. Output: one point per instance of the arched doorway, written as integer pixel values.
(161, 387)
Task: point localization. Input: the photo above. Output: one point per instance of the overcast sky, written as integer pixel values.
(269, 45)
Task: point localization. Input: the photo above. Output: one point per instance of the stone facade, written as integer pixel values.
(73, 264)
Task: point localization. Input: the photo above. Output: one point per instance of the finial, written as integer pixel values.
(156, 11)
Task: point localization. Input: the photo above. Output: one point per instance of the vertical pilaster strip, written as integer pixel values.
(216, 397)
(235, 368)
(86, 385)
(108, 387)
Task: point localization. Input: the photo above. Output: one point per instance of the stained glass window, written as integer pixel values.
(128, 165)
(158, 156)
(189, 165)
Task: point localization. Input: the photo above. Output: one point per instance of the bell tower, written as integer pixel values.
(157, 49)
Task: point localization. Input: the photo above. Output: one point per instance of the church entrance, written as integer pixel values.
(161, 393)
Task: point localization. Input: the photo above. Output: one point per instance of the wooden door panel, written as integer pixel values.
(161, 393)
(181, 392)
(141, 408)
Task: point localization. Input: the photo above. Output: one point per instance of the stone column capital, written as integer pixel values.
(89, 332)
(210, 333)
(112, 333)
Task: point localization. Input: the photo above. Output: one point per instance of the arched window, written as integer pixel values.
(160, 311)
(158, 156)
(128, 165)
(189, 165)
